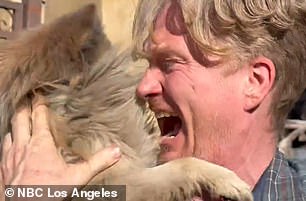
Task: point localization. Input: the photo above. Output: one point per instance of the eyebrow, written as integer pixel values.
(165, 51)
(161, 49)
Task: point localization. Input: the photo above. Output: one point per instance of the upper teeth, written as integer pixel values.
(164, 114)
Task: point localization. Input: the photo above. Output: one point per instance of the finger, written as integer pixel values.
(21, 129)
(7, 158)
(40, 121)
(18, 170)
(7, 144)
(97, 163)
(2, 185)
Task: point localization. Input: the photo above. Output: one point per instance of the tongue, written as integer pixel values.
(169, 126)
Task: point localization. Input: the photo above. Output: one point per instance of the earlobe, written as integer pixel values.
(261, 76)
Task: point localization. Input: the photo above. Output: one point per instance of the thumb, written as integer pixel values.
(99, 162)
(2, 185)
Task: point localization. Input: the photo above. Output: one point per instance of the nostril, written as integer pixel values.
(148, 90)
(151, 95)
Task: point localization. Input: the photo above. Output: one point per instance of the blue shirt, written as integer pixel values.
(280, 182)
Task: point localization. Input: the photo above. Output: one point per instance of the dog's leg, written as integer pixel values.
(184, 179)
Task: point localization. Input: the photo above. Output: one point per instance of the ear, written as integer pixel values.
(60, 50)
(261, 77)
(55, 51)
(76, 36)
(66, 46)
(78, 32)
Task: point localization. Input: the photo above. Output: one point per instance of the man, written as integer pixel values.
(227, 72)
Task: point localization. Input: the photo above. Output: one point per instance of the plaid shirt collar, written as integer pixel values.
(280, 182)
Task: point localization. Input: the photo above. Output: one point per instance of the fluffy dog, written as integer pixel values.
(90, 91)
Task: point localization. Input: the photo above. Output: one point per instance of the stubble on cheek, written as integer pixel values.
(210, 137)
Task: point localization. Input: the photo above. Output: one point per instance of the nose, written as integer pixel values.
(150, 84)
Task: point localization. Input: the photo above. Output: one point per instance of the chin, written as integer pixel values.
(167, 156)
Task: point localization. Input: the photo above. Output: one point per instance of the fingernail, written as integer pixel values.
(116, 152)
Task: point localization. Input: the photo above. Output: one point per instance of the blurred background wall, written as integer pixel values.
(116, 15)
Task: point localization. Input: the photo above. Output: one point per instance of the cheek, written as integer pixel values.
(217, 105)
(206, 96)
(221, 93)
(193, 84)
(179, 88)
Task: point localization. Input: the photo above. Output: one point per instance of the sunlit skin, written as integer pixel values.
(224, 117)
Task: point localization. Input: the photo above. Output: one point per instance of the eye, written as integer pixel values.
(166, 65)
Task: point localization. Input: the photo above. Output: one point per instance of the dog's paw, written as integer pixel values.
(229, 186)
(216, 181)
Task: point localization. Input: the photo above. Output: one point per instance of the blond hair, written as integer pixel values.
(275, 29)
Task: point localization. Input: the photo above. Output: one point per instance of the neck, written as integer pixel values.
(255, 164)
(256, 154)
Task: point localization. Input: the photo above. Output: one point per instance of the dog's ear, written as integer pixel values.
(73, 34)
(79, 32)
(56, 51)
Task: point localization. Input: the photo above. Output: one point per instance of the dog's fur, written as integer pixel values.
(90, 92)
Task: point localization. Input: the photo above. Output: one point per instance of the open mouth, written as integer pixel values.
(172, 137)
(169, 125)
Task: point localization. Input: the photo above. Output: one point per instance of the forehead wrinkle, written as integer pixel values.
(156, 40)
(170, 14)
(155, 44)
(163, 49)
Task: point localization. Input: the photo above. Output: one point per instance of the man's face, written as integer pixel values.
(198, 107)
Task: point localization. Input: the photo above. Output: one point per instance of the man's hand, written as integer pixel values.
(32, 158)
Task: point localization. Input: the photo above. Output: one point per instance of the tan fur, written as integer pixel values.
(93, 104)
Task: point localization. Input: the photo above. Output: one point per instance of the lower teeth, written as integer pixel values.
(171, 134)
